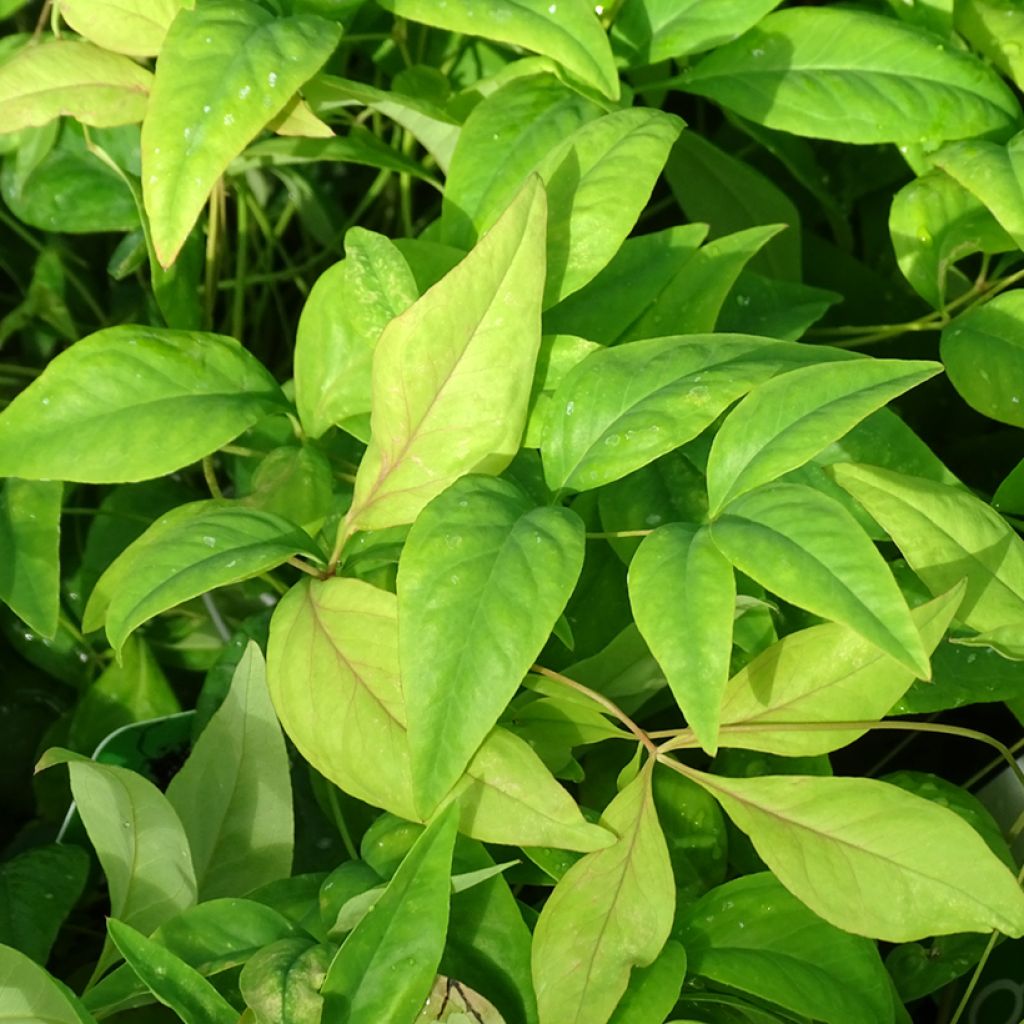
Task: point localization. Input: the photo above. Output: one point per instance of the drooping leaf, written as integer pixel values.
(690, 634)
(852, 76)
(385, 968)
(28, 993)
(611, 911)
(568, 31)
(752, 936)
(871, 858)
(826, 673)
(29, 551)
(805, 547)
(349, 306)
(191, 550)
(459, 404)
(946, 534)
(226, 68)
(132, 403)
(134, 27)
(786, 421)
(70, 77)
(234, 794)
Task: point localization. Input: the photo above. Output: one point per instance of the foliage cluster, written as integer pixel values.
(472, 469)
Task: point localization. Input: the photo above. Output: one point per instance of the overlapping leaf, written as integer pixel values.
(134, 27)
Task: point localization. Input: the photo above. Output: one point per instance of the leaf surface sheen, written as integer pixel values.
(133, 27)
(28, 994)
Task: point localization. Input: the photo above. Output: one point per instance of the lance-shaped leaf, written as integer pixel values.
(568, 31)
(827, 673)
(71, 78)
(333, 674)
(1007, 640)
(482, 580)
(871, 858)
(234, 793)
(611, 911)
(452, 375)
(28, 993)
(752, 936)
(623, 407)
(134, 27)
(226, 68)
(946, 534)
(191, 550)
(385, 968)
(133, 403)
(170, 979)
(683, 595)
(832, 73)
(804, 546)
(349, 306)
(29, 551)
(786, 421)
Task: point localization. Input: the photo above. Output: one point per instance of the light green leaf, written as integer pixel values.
(752, 936)
(689, 634)
(653, 395)
(1007, 640)
(786, 421)
(983, 350)
(649, 31)
(67, 77)
(853, 76)
(225, 70)
(28, 994)
(946, 534)
(234, 794)
(567, 31)
(134, 27)
(385, 968)
(996, 29)
(133, 403)
(191, 550)
(138, 839)
(871, 858)
(611, 911)
(826, 673)
(30, 551)
(281, 983)
(458, 405)
(558, 354)
(482, 580)
(804, 546)
(349, 306)
(171, 980)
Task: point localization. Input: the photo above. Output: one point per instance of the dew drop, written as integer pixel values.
(244, 91)
(210, 542)
(552, 8)
(569, 406)
(272, 79)
(228, 119)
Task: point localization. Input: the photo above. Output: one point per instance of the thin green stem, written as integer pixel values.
(213, 229)
(239, 292)
(210, 476)
(340, 824)
(305, 567)
(611, 534)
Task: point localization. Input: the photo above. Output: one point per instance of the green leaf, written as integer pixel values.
(296, 484)
(191, 550)
(1009, 496)
(805, 547)
(826, 673)
(459, 405)
(852, 76)
(38, 889)
(870, 858)
(983, 351)
(385, 968)
(786, 421)
(946, 534)
(30, 547)
(348, 308)
(1007, 640)
(133, 403)
(653, 991)
(683, 595)
(611, 911)
(171, 980)
(482, 580)
(281, 983)
(69, 77)
(653, 395)
(138, 839)
(995, 29)
(134, 27)
(29, 994)
(650, 31)
(234, 794)
(558, 354)
(567, 31)
(772, 308)
(750, 935)
(225, 70)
